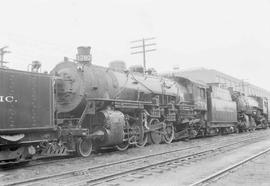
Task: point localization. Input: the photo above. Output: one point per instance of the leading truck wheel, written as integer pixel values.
(83, 147)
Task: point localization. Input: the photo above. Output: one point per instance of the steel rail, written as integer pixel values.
(113, 176)
(121, 173)
(41, 178)
(55, 159)
(71, 157)
(98, 166)
(229, 168)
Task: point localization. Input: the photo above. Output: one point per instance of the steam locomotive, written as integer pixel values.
(81, 105)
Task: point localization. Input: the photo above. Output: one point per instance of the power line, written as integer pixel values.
(3, 51)
(151, 44)
(145, 39)
(143, 48)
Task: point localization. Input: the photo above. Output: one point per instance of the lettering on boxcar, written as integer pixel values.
(8, 99)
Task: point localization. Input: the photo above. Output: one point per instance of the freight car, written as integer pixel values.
(27, 128)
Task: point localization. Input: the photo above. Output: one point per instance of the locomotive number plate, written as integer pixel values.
(83, 57)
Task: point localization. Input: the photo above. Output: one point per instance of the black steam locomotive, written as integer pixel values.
(81, 105)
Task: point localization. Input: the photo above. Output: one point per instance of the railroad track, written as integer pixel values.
(219, 174)
(144, 165)
(53, 160)
(77, 171)
(65, 159)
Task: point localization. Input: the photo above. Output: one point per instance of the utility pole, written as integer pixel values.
(244, 86)
(143, 48)
(2, 53)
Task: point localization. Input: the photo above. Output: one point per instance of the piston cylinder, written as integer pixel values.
(112, 124)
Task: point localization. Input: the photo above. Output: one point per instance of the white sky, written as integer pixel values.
(232, 36)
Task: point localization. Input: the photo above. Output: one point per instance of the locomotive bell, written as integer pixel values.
(84, 55)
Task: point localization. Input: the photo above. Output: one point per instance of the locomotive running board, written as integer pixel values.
(120, 100)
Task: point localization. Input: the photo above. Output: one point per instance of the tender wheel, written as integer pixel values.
(122, 147)
(156, 136)
(169, 133)
(84, 147)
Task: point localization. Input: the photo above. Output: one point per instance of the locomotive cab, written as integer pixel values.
(192, 107)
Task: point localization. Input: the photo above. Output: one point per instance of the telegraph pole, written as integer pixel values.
(143, 47)
(244, 86)
(3, 51)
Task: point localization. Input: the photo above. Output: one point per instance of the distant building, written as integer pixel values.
(223, 80)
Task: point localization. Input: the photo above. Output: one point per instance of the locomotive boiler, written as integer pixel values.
(119, 107)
